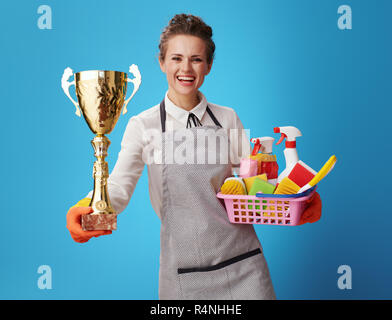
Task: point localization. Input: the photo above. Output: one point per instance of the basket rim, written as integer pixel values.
(267, 197)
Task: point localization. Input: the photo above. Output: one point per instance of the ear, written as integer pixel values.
(162, 65)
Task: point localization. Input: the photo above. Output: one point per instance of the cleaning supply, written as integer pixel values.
(233, 185)
(266, 160)
(85, 202)
(260, 185)
(290, 152)
(287, 186)
(249, 181)
(248, 168)
(301, 174)
(327, 167)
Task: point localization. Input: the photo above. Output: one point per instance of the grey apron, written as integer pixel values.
(203, 255)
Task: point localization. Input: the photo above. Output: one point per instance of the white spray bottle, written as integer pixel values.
(290, 152)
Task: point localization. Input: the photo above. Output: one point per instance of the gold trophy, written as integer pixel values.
(101, 97)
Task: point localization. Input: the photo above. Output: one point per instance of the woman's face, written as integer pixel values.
(185, 65)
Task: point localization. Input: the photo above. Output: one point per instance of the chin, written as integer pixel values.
(186, 91)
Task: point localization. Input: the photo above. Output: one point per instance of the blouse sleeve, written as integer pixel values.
(128, 168)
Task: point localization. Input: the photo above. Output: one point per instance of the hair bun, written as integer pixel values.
(188, 24)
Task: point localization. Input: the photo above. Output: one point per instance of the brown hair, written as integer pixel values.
(189, 25)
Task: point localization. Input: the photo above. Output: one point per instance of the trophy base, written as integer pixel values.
(99, 222)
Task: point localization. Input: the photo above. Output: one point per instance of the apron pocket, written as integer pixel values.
(218, 281)
(250, 279)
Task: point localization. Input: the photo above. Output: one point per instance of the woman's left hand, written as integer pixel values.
(313, 212)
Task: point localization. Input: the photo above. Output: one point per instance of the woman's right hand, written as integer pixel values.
(75, 228)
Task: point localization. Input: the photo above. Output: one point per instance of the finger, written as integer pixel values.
(78, 231)
(98, 233)
(85, 238)
(78, 236)
(318, 201)
(74, 224)
(317, 209)
(304, 217)
(312, 197)
(79, 239)
(313, 212)
(74, 219)
(74, 214)
(90, 233)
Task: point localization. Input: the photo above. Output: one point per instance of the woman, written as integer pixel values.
(203, 255)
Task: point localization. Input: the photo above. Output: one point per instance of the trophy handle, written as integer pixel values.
(65, 85)
(136, 84)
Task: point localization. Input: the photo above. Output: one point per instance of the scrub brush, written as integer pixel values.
(287, 186)
(233, 185)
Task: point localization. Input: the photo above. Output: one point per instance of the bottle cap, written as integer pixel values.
(266, 143)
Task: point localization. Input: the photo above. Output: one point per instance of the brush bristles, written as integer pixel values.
(233, 187)
(287, 186)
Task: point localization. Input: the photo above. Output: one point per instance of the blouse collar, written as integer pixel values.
(182, 115)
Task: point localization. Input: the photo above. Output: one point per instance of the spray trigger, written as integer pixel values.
(282, 137)
(256, 147)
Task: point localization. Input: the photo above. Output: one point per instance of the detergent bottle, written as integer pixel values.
(266, 160)
(290, 152)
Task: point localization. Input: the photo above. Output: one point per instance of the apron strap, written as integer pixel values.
(213, 117)
(163, 116)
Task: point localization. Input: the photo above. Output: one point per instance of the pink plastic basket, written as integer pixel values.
(271, 210)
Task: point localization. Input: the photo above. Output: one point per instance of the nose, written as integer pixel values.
(186, 65)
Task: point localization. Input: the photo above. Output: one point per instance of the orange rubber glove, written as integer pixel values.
(74, 225)
(313, 212)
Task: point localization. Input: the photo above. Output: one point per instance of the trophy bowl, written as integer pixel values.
(101, 96)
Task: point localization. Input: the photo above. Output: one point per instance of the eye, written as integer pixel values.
(197, 60)
(176, 58)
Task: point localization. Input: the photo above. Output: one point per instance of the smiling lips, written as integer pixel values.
(186, 80)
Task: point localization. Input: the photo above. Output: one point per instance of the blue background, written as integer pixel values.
(277, 63)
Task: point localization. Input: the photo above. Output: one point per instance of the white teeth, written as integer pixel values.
(186, 78)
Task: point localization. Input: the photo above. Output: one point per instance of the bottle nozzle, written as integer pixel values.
(263, 144)
(290, 133)
(282, 137)
(257, 146)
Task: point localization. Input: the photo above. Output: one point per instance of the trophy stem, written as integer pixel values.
(104, 216)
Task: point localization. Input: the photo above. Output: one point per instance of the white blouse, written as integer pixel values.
(138, 139)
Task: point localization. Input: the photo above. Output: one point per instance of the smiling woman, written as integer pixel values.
(185, 65)
(203, 255)
(186, 56)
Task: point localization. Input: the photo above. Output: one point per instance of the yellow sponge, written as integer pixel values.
(287, 186)
(83, 203)
(233, 186)
(249, 181)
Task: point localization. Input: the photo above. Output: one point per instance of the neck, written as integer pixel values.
(185, 102)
